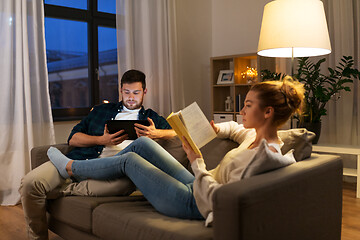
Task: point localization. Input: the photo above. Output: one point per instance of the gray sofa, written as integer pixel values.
(301, 201)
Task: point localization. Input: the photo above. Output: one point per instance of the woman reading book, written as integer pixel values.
(171, 188)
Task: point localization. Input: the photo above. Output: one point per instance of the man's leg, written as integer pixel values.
(101, 188)
(39, 184)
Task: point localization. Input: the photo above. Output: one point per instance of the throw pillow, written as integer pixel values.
(298, 139)
(265, 160)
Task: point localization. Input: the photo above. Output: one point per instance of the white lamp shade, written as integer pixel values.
(294, 28)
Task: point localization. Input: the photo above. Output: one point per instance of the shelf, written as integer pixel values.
(240, 87)
(341, 149)
(223, 112)
(350, 172)
(223, 85)
(232, 85)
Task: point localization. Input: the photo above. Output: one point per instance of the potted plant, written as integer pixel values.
(319, 88)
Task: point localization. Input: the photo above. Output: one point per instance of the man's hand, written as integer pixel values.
(191, 155)
(147, 131)
(112, 139)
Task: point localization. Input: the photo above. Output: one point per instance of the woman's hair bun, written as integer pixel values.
(294, 93)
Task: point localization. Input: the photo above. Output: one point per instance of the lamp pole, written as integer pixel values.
(292, 75)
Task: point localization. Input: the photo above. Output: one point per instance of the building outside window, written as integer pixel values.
(81, 49)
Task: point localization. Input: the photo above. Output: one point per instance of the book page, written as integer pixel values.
(197, 125)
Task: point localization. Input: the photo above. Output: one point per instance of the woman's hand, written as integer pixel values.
(215, 126)
(191, 155)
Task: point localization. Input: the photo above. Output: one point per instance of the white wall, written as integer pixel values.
(63, 129)
(236, 26)
(194, 48)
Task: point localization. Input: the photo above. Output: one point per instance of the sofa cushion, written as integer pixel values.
(139, 220)
(77, 210)
(298, 139)
(213, 152)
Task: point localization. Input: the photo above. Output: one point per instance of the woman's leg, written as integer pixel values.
(159, 157)
(143, 146)
(167, 194)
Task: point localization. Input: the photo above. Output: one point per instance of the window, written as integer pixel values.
(80, 4)
(108, 6)
(81, 50)
(108, 69)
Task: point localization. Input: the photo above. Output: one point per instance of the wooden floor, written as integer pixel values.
(12, 225)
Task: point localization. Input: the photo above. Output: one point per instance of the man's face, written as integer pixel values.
(132, 95)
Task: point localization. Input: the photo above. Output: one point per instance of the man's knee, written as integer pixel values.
(144, 140)
(33, 185)
(40, 180)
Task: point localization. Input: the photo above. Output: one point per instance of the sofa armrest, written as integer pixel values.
(39, 154)
(300, 201)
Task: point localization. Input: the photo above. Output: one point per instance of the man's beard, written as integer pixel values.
(133, 107)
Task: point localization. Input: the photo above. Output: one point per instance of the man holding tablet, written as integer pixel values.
(91, 139)
(91, 134)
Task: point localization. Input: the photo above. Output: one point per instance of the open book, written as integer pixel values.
(192, 123)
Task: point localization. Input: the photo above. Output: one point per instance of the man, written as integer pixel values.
(91, 139)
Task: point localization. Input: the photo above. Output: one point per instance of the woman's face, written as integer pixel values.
(253, 114)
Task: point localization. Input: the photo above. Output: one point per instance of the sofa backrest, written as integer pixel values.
(298, 139)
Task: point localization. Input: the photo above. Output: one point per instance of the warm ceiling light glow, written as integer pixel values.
(294, 28)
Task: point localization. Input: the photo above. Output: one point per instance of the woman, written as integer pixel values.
(168, 186)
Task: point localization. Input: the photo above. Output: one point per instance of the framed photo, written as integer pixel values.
(225, 77)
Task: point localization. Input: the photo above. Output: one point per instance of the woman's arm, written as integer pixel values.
(234, 131)
(205, 184)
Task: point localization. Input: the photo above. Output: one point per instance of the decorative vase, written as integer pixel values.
(228, 104)
(314, 127)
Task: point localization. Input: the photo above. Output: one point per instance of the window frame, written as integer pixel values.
(94, 19)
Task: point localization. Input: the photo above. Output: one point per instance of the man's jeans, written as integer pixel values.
(165, 183)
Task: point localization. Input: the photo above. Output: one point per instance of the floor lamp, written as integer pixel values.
(294, 28)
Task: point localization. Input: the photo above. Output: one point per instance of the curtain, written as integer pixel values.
(25, 119)
(146, 36)
(342, 123)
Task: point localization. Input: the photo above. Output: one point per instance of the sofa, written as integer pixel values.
(298, 202)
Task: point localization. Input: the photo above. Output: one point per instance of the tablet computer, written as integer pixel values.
(128, 125)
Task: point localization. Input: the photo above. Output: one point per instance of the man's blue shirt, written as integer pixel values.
(93, 124)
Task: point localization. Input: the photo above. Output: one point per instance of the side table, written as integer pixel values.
(338, 149)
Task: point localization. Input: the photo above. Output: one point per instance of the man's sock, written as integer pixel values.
(59, 160)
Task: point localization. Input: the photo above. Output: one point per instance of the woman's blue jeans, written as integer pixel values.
(165, 183)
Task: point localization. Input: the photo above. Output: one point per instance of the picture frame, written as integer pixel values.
(225, 77)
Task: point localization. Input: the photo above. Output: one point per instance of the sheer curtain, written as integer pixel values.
(146, 35)
(25, 119)
(342, 124)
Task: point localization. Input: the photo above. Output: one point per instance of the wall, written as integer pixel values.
(236, 26)
(63, 129)
(194, 48)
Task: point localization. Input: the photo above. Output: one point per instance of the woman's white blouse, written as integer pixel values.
(237, 164)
